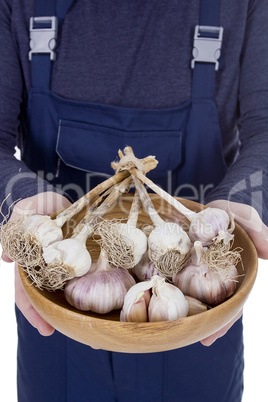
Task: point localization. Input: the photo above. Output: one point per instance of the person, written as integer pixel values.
(99, 75)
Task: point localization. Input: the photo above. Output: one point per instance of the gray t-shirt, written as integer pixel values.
(138, 54)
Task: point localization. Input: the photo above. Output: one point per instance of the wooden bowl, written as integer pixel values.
(108, 333)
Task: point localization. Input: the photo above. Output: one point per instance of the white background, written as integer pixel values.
(255, 335)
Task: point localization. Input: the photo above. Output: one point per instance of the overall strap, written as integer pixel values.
(206, 50)
(44, 26)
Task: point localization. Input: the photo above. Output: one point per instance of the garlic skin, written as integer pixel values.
(43, 228)
(168, 236)
(145, 269)
(139, 309)
(132, 297)
(70, 253)
(209, 287)
(195, 306)
(167, 302)
(168, 248)
(101, 290)
(136, 238)
(210, 224)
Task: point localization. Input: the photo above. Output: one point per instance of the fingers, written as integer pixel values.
(27, 309)
(212, 338)
(248, 218)
(5, 258)
(42, 203)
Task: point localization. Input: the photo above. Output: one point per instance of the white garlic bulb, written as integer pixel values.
(168, 246)
(102, 289)
(167, 302)
(42, 228)
(200, 282)
(135, 238)
(124, 243)
(168, 236)
(70, 253)
(210, 224)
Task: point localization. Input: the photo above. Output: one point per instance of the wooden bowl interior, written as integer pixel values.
(107, 332)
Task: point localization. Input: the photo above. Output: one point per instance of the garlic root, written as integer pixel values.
(124, 243)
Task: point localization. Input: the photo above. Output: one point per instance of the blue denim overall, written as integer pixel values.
(72, 144)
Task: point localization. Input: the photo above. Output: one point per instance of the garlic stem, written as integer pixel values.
(87, 223)
(147, 203)
(134, 211)
(77, 206)
(163, 194)
(148, 164)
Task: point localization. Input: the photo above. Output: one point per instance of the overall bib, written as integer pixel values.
(71, 144)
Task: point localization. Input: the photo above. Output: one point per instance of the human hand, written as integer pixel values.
(43, 203)
(249, 219)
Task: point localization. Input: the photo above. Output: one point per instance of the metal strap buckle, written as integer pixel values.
(207, 48)
(43, 35)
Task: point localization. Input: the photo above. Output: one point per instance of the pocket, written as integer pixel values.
(92, 148)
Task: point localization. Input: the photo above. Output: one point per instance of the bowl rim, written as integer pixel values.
(237, 299)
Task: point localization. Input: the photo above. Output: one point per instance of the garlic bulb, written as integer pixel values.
(168, 243)
(102, 289)
(124, 243)
(42, 228)
(209, 225)
(135, 238)
(22, 239)
(200, 282)
(70, 253)
(168, 246)
(145, 269)
(167, 302)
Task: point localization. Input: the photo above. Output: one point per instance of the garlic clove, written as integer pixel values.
(138, 311)
(132, 297)
(42, 228)
(145, 269)
(208, 225)
(70, 253)
(167, 303)
(195, 306)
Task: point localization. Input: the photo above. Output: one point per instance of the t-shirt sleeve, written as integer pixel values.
(247, 179)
